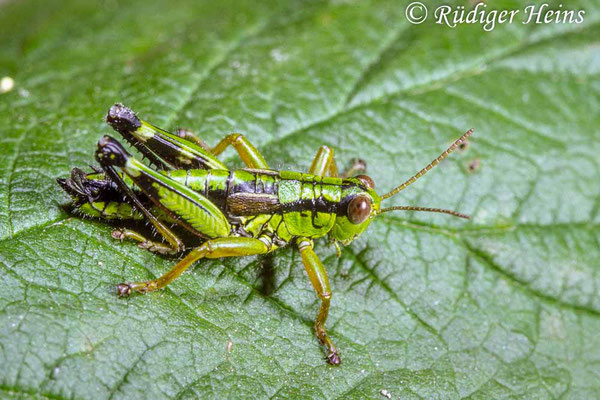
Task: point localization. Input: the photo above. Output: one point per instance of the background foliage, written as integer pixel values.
(425, 306)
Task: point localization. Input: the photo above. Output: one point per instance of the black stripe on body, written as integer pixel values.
(246, 186)
(316, 199)
(215, 190)
(319, 204)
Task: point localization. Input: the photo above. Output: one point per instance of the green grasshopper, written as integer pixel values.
(233, 213)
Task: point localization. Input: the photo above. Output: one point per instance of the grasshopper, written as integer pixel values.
(233, 213)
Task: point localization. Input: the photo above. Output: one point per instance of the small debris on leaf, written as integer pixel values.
(474, 165)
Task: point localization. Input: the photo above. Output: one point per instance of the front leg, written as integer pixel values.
(318, 277)
(358, 165)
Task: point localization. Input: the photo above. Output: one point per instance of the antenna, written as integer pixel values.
(439, 210)
(422, 172)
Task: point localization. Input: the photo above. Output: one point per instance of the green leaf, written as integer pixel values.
(424, 305)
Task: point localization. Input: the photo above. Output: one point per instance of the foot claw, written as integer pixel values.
(333, 358)
(123, 289)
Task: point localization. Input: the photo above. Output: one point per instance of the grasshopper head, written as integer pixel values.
(359, 205)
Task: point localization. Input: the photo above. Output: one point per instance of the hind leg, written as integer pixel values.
(214, 248)
(162, 148)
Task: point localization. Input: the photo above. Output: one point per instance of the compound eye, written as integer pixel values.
(366, 180)
(359, 209)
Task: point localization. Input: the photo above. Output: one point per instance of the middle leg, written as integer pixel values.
(324, 164)
(246, 150)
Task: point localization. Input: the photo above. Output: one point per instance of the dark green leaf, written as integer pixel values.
(424, 305)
